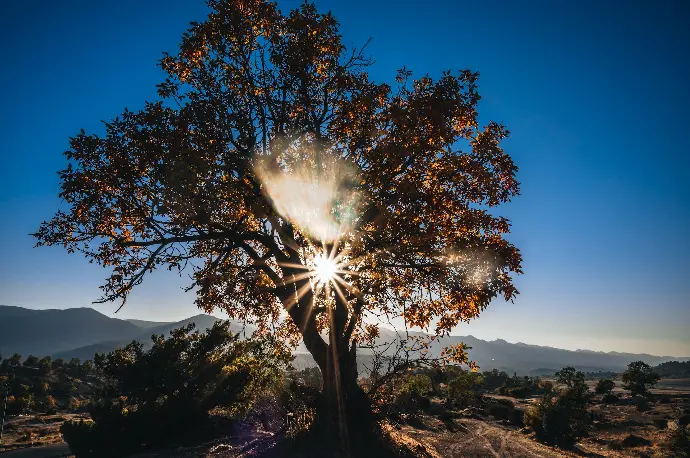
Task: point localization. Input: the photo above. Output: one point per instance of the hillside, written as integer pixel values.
(147, 324)
(201, 321)
(46, 332)
(81, 332)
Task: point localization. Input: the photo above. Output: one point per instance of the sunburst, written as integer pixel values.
(325, 269)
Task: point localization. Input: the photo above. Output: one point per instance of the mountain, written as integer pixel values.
(81, 332)
(45, 332)
(521, 358)
(147, 324)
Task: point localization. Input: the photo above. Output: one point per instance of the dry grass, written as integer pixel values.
(33, 430)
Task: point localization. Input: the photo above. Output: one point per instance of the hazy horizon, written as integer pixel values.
(174, 318)
(595, 97)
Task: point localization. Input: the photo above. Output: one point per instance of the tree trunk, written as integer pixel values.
(344, 420)
(344, 415)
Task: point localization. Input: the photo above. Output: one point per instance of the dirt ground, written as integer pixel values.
(614, 425)
(33, 430)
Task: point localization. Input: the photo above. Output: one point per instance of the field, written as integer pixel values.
(33, 431)
(620, 430)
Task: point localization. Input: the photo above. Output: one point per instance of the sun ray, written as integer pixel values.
(297, 296)
(339, 292)
(293, 265)
(296, 278)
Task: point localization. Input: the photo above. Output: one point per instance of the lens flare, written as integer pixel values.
(325, 269)
(314, 190)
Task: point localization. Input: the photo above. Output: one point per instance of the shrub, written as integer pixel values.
(503, 409)
(418, 384)
(163, 396)
(642, 404)
(410, 401)
(604, 386)
(561, 418)
(493, 379)
(677, 440)
(638, 378)
(460, 390)
(545, 385)
(609, 398)
(522, 387)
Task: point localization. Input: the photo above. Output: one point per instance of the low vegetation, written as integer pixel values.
(164, 396)
(192, 387)
(639, 377)
(560, 417)
(46, 385)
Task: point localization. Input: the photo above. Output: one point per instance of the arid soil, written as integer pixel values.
(622, 429)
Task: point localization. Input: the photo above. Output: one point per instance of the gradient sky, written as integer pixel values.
(596, 96)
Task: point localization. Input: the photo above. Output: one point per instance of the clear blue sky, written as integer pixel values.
(596, 96)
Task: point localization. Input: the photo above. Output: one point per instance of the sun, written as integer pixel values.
(324, 269)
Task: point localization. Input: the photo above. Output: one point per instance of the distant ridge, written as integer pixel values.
(147, 324)
(81, 332)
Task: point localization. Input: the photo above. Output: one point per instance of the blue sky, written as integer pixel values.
(594, 93)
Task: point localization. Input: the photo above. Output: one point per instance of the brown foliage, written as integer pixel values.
(178, 182)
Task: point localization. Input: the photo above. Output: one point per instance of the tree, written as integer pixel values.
(164, 395)
(639, 377)
(493, 379)
(45, 364)
(571, 378)
(308, 197)
(561, 417)
(74, 365)
(604, 386)
(31, 361)
(58, 363)
(461, 388)
(418, 384)
(15, 360)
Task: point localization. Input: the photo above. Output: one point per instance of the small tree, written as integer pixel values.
(58, 363)
(494, 378)
(15, 361)
(639, 377)
(418, 384)
(31, 361)
(561, 417)
(45, 364)
(571, 378)
(604, 386)
(165, 394)
(461, 388)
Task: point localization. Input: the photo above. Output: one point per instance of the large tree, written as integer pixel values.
(305, 197)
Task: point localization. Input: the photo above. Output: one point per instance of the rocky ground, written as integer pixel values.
(622, 429)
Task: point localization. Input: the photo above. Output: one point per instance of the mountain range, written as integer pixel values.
(81, 332)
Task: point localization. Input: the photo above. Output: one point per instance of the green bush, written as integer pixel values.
(418, 384)
(502, 409)
(604, 386)
(164, 396)
(638, 378)
(493, 379)
(561, 418)
(460, 391)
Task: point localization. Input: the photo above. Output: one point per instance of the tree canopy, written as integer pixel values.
(303, 195)
(639, 377)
